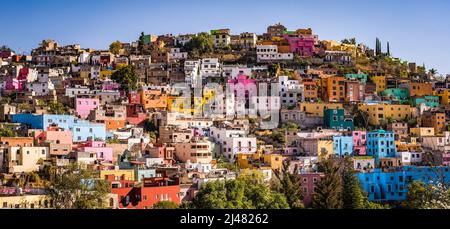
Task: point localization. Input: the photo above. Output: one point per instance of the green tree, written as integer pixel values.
(432, 71)
(57, 108)
(329, 188)
(4, 48)
(202, 43)
(428, 196)
(115, 47)
(77, 188)
(351, 41)
(289, 184)
(165, 205)
(248, 191)
(4, 132)
(141, 42)
(126, 77)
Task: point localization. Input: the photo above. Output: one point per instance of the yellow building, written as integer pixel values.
(329, 44)
(258, 160)
(184, 105)
(408, 146)
(380, 82)
(127, 174)
(422, 131)
(380, 113)
(25, 202)
(318, 108)
(444, 96)
(324, 148)
(105, 74)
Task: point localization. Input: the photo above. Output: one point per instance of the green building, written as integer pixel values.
(428, 100)
(397, 94)
(361, 77)
(335, 119)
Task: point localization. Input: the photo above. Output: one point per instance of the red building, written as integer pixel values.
(134, 97)
(309, 184)
(136, 114)
(151, 191)
(354, 91)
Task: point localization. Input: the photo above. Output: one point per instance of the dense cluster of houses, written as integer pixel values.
(164, 140)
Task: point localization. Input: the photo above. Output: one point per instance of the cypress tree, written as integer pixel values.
(352, 194)
(290, 186)
(328, 192)
(388, 49)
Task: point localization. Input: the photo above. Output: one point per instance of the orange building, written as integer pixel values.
(435, 120)
(333, 89)
(112, 124)
(153, 99)
(17, 141)
(310, 89)
(420, 89)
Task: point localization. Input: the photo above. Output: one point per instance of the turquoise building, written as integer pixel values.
(343, 145)
(397, 94)
(361, 77)
(428, 100)
(335, 119)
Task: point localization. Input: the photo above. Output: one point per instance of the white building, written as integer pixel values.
(25, 159)
(248, 40)
(176, 54)
(95, 72)
(232, 142)
(199, 167)
(221, 37)
(232, 72)
(269, 53)
(210, 67)
(291, 91)
(341, 57)
(84, 58)
(183, 39)
(192, 72)
(77, 90)
(41, 89)
(408, 158)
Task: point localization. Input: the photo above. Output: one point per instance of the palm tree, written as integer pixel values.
(433, 71)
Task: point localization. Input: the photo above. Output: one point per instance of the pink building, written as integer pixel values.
(301, 45)
(13, 84)
(359, 143)
(83, 106)
(244, 89)
(103, 153)
(243, 79)
(109, 85)
(309, 184)
(446, 159)
(55, 135)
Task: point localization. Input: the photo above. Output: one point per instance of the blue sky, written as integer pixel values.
(417, 30)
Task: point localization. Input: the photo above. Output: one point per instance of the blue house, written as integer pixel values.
(140, 174)
(393, 186)
(82, 130)
(380, 144)
(43, 121)
(343, 145)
